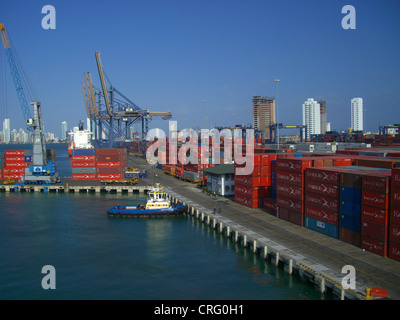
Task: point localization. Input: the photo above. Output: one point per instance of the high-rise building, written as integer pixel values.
(312, 117)
(64, 130)
(357, 119)
(6, 130)
(263, 114)
(322, 105)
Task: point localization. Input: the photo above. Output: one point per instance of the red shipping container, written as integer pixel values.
(83, 164)
(83, 158)
(14, 153)
(110, 151)
(396, 196)
(396, 177)
(289, 190)
(323, 174)
(109, 176)
(265, 171)
(83, 176)
(322, 214)
(374, 230)
(18, 164)
(108, 164)
(323, 188)
(253, 181)
(293, 164)
(350, 236)
(395, 214)
(269, 204)
(341, 162)
(374, 214)
(247, 201)
(292, 216)
(13, 170)
(108, 170)
(258, 192)
(376, 183)
(14, 158)
(290, 177)
(394, 250)
(374, 245)
(322, 201)
(108, 157)
(394, 232)
(375, 199)
(289, 203)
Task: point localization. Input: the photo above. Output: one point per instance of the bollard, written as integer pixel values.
(236, 236)
(228, 231)
(244, 240)
(254, 246)
(265, 254)
(276, 259)
(221, 227)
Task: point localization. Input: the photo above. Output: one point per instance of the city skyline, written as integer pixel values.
(221, 52)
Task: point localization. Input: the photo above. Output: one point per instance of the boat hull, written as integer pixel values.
(129, 212)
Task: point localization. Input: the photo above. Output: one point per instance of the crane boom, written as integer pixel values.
(103, 83)
(16, 77)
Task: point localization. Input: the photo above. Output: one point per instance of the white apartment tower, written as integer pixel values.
(64, 130)
(312, 117)
(357, 121)
(6, 130)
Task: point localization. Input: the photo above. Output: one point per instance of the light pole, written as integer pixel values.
(276, 111)
(204, 113)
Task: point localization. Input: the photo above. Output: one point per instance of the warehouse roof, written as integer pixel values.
(221, 169)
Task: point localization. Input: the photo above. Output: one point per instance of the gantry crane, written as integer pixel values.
(41, 171)
(111, 112)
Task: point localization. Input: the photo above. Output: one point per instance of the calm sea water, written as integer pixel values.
(96, 257)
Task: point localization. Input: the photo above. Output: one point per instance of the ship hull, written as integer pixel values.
(134, 212)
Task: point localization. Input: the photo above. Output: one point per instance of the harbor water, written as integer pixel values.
(97, 257)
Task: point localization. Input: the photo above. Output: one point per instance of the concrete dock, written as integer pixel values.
(307, 253)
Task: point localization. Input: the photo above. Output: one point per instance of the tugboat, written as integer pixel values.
(157, 205)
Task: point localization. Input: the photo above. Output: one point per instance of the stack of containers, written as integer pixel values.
(350, 202)
(375, 212)
(249, 189)
(111, 163)
(83, 164)
(14, 164)
(394, 221)
(268, 203)
(322, 200)
(1, 165)
(290, 188)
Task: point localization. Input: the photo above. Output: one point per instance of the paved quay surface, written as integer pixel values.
(322, 253)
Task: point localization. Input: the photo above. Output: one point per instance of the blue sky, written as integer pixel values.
(168, 55)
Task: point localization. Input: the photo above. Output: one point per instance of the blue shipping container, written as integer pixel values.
(350, 222)
(350, 194)
(83, 152)
(326, 228)
(350, 208)
(28, 158)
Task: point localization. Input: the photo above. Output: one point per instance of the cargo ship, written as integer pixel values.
(80, 139)
(157, 205)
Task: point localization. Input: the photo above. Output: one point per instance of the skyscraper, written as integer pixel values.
(64, 129)
(322, 105)
(6, 130)
(312, 117)
(263, 114)
(357, 119)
